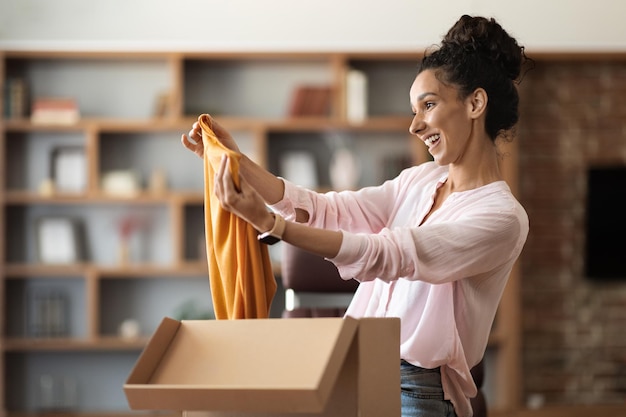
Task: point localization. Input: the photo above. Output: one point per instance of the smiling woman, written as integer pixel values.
(433, 246)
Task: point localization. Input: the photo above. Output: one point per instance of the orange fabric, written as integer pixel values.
(240, 272)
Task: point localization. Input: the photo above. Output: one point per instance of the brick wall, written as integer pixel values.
(573, 113)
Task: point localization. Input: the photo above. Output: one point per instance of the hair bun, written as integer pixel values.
(487, 39)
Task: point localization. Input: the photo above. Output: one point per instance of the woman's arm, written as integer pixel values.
(250, 206)
(270, 187)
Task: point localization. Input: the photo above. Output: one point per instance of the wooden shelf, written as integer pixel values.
(19, 271)
(26, 197)
(182, 125)
(65, 344)
(250, 94)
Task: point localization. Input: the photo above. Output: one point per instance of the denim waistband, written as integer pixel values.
(407, 365)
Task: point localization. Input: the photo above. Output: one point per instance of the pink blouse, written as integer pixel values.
(443, 279)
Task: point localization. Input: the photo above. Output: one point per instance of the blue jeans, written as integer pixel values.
(422, 393)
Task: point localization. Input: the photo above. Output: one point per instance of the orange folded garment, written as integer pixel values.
(240, 272)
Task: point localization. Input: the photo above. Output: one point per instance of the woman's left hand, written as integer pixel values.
(195, 145)
(246, 203)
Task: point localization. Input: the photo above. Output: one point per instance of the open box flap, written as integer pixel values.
(156, 347)
(273, 364)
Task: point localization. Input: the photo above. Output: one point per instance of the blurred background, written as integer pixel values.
(566, 308)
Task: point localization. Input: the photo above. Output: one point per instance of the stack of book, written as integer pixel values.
(309, 100)
(55, 111)
(48, 314)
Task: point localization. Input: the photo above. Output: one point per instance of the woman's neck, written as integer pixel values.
(481, 169)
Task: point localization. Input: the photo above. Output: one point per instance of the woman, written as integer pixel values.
(435, 245)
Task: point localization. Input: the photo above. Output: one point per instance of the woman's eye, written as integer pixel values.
(429, 105)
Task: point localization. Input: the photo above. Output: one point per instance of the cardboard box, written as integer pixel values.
(280, 367)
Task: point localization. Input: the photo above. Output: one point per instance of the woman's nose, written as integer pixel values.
(417, 125)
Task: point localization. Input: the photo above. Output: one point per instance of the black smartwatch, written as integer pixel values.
(275, 234)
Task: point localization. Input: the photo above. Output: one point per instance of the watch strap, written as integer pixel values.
(275, 234)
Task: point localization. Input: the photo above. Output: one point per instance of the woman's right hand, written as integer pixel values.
(193, 141)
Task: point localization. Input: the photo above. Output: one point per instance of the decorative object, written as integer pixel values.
(129, 329)
(127, 227)
(299, 167)
(58, 240)
(46, 187)
(345, 170)
(69, 169)
(158, 181)
(162, 105)
(121, 183)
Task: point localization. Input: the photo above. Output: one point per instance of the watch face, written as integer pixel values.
(268, 239)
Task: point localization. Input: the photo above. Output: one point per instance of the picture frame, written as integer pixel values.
(69, 169)
(58, 240)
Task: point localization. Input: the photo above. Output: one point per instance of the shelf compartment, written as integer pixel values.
(99, 237)
(145, 154)
(103, 393)
(45, 307)
(388, 84)
(147, 301)
(194, 233)
(249, 88)
(379, 155)
(31, 156)
(88, 80)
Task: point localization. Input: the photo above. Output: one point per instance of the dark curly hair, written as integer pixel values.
(478, 53)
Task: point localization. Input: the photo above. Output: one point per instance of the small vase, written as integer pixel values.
(345, 170)
(123, 253)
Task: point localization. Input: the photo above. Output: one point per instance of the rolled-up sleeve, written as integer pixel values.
(366, 210)
(434, 253)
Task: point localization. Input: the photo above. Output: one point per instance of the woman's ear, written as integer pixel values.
(477, 103)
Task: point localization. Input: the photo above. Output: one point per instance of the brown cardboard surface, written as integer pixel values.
(268, 367)
(379, 360)
(342, 401)
(213, 364)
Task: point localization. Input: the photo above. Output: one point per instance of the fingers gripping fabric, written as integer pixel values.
(240, 273)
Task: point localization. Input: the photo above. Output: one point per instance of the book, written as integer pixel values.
(15, 98)
(356, 96)
(55, 111)
(311, 100)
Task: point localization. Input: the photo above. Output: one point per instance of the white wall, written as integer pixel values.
(299, 24)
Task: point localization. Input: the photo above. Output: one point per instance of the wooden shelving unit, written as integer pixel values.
(117, 93)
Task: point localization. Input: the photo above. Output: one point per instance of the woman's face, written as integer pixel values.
(441, 119)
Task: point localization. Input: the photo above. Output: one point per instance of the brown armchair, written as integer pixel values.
(312, 285)
(313, 288)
